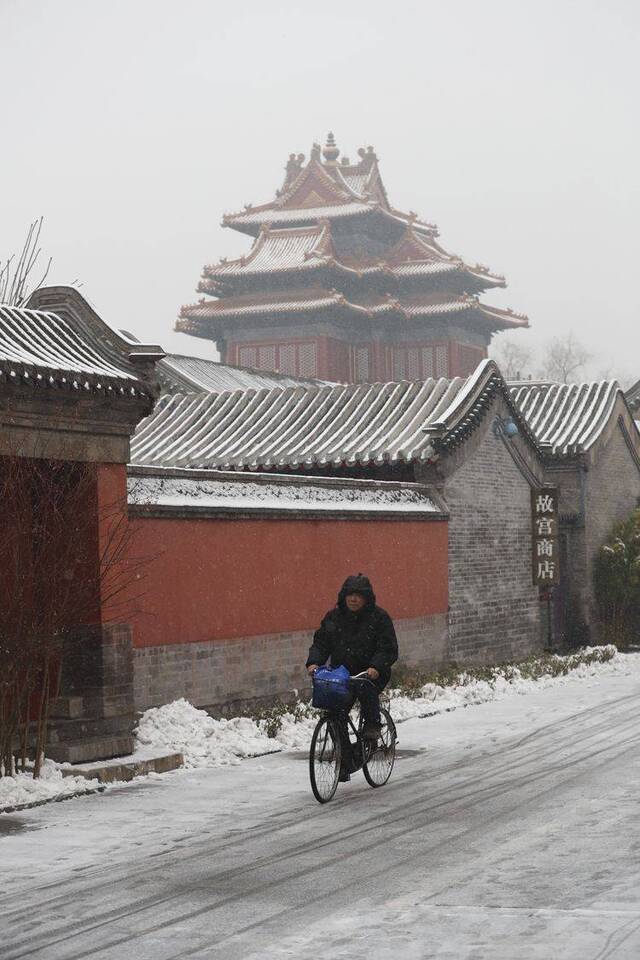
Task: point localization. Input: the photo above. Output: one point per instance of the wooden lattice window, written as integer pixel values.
(414, 366)
(307, 360)
(361, 372)
(294, 359)
(399, 363)
(287, 359)
(442, 360)
(420, 363)
(428, 366)
(267, 358)
(247, 356)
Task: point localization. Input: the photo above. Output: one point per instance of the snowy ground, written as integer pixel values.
(179, 727)
(22, 790)
(509, 830)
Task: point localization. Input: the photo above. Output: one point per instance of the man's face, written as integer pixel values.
(354, 602)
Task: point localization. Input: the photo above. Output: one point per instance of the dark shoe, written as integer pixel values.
(371, 731)
(344, 777)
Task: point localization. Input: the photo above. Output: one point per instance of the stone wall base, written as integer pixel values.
(94, 716)
(227, 675)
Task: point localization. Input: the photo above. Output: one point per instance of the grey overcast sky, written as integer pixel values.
(132, 125)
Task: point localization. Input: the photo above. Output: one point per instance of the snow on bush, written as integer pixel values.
(509, 679)
(21, 788)
(181, 727)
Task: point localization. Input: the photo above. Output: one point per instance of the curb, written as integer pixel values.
(41, 803)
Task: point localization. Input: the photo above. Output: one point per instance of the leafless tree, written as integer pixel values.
(564, 358)
(16, 273)
(514, 360)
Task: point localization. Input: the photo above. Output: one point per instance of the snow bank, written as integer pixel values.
(51, 785)
(436, 699)
(205, 742)
(180, 727)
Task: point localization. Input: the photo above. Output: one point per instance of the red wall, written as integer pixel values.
(218, 579)
(464, 358)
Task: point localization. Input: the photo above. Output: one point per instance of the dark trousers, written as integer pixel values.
(369, 696)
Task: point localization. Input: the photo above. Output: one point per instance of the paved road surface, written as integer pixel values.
(509, 832)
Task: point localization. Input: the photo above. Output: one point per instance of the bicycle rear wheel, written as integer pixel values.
(380, 757)
(325, 755)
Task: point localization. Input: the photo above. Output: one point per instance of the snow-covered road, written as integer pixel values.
(509, 831)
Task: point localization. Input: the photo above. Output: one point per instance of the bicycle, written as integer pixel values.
(337, 744)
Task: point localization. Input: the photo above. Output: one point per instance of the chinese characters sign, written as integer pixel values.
(546, 543)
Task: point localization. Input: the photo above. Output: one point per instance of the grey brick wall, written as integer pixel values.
(224, 675)
(494, 607)
(596, 490)
(612, 492)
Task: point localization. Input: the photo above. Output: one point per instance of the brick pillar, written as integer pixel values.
(93, 718)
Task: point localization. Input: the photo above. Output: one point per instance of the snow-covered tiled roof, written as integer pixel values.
(276, 251)
(158, 492)
(61, 349)
(263, 304)
(307, 427)
(358, 182)
(318, 299)
(178, 373)
(301, 215)
(566, 419)
(293, 249)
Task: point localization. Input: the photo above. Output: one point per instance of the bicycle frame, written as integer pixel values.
(346, 726)
(356, 752)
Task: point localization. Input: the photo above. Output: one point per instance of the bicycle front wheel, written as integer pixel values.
(325, 756)
(380, 757)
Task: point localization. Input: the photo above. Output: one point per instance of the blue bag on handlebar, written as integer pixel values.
(331, 688)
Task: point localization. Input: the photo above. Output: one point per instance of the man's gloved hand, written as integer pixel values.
(372, 673)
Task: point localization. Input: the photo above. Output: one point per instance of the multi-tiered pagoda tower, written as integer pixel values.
(339, 285)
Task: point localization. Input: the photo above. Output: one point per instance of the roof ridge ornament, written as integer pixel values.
(331, 151)
(367, 158)
(292, 170)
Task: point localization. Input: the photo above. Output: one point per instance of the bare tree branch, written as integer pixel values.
(565, 357)
(16, 281)
(514, 360)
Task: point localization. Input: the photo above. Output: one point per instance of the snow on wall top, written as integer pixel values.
(566, 418)
(223, 492)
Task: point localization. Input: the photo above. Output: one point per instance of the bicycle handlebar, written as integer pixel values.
(357, 676)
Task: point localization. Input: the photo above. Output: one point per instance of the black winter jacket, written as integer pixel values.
(356, 640)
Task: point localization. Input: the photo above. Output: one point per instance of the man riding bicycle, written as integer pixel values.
(360, 636)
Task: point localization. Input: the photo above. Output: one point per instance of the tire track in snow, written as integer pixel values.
(424, 806)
